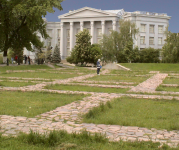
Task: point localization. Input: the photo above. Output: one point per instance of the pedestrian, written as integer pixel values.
(12, 60)
(28, 58)
(16, 58)
(25, 58)
(98, 66)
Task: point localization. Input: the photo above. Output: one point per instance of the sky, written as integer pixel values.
(170, 7)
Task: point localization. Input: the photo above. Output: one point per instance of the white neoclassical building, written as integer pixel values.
(151, 27)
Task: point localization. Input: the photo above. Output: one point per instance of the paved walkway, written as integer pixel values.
(70, 119)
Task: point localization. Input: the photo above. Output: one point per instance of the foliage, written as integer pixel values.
(149, 55)
(21, 20)
(81, 51)
(117, 45)
(95, 53)
(171, 48)
(56, 58)
(48, 54)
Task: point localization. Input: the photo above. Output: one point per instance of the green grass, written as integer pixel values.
(15, 84)
(171, 80)
(39, 75)
(85, 88)
(151, 66)
(30, 104)
(61, 140)
(168, 89)
(23, 67)
(125, 111)
(120, 78)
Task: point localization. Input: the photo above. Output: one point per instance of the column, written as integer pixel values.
(61, 40)
(114, 25)
(103, 27)
(71, 36)
(92, 32)
(81, 26)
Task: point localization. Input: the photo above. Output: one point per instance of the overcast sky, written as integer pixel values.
(171, 7)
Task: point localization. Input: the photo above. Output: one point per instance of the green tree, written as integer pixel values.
(56, 58)
(48, 54)
(81, 51)
(115, 46)
(21, 20)
(171, 48)
(95, 53)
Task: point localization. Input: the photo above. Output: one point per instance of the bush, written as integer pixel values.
(149, 55)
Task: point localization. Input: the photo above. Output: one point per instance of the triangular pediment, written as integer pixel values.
(86, 12)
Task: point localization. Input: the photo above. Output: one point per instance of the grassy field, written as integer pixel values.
(163, 67)
(160, 114)
(86, 88)
(119, 78)
(61, 140)
(30, 104)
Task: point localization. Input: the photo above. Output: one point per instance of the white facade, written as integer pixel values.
(98, 22)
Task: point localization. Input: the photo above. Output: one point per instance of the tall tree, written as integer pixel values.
(56, 58)
(81, 51)
(171, 48)
(20, 20)
(113, 45)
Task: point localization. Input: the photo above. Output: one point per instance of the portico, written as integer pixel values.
(98, 22)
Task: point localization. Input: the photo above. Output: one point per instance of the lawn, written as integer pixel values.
(86, 88)
(120, 78)
(30, 104)
(15, 84)
(163, 67)
(125, 111)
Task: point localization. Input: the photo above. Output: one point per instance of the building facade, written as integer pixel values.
(151, 27)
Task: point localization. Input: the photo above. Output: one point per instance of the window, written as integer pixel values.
(142, 40)
(68, 39)
(99, 35)
(49, 43)
(59, 33)
(58, 42)
(89, 31)
(68, 51)
(77, 31)
(160, 29)
(49, 32)
(142, 28)
(99, 32)
(160, 40)
(151, 29)
(151, 40)
(109, 30)
(68, 33)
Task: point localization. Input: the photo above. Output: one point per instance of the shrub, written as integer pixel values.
(149, 55)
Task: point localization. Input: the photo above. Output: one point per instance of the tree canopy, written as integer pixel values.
(83, 51)
(171, 48)
(117, 45)
(21, 20)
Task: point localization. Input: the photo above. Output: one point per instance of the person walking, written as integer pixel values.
(98, 66)
(25, 58)
(28, 58)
